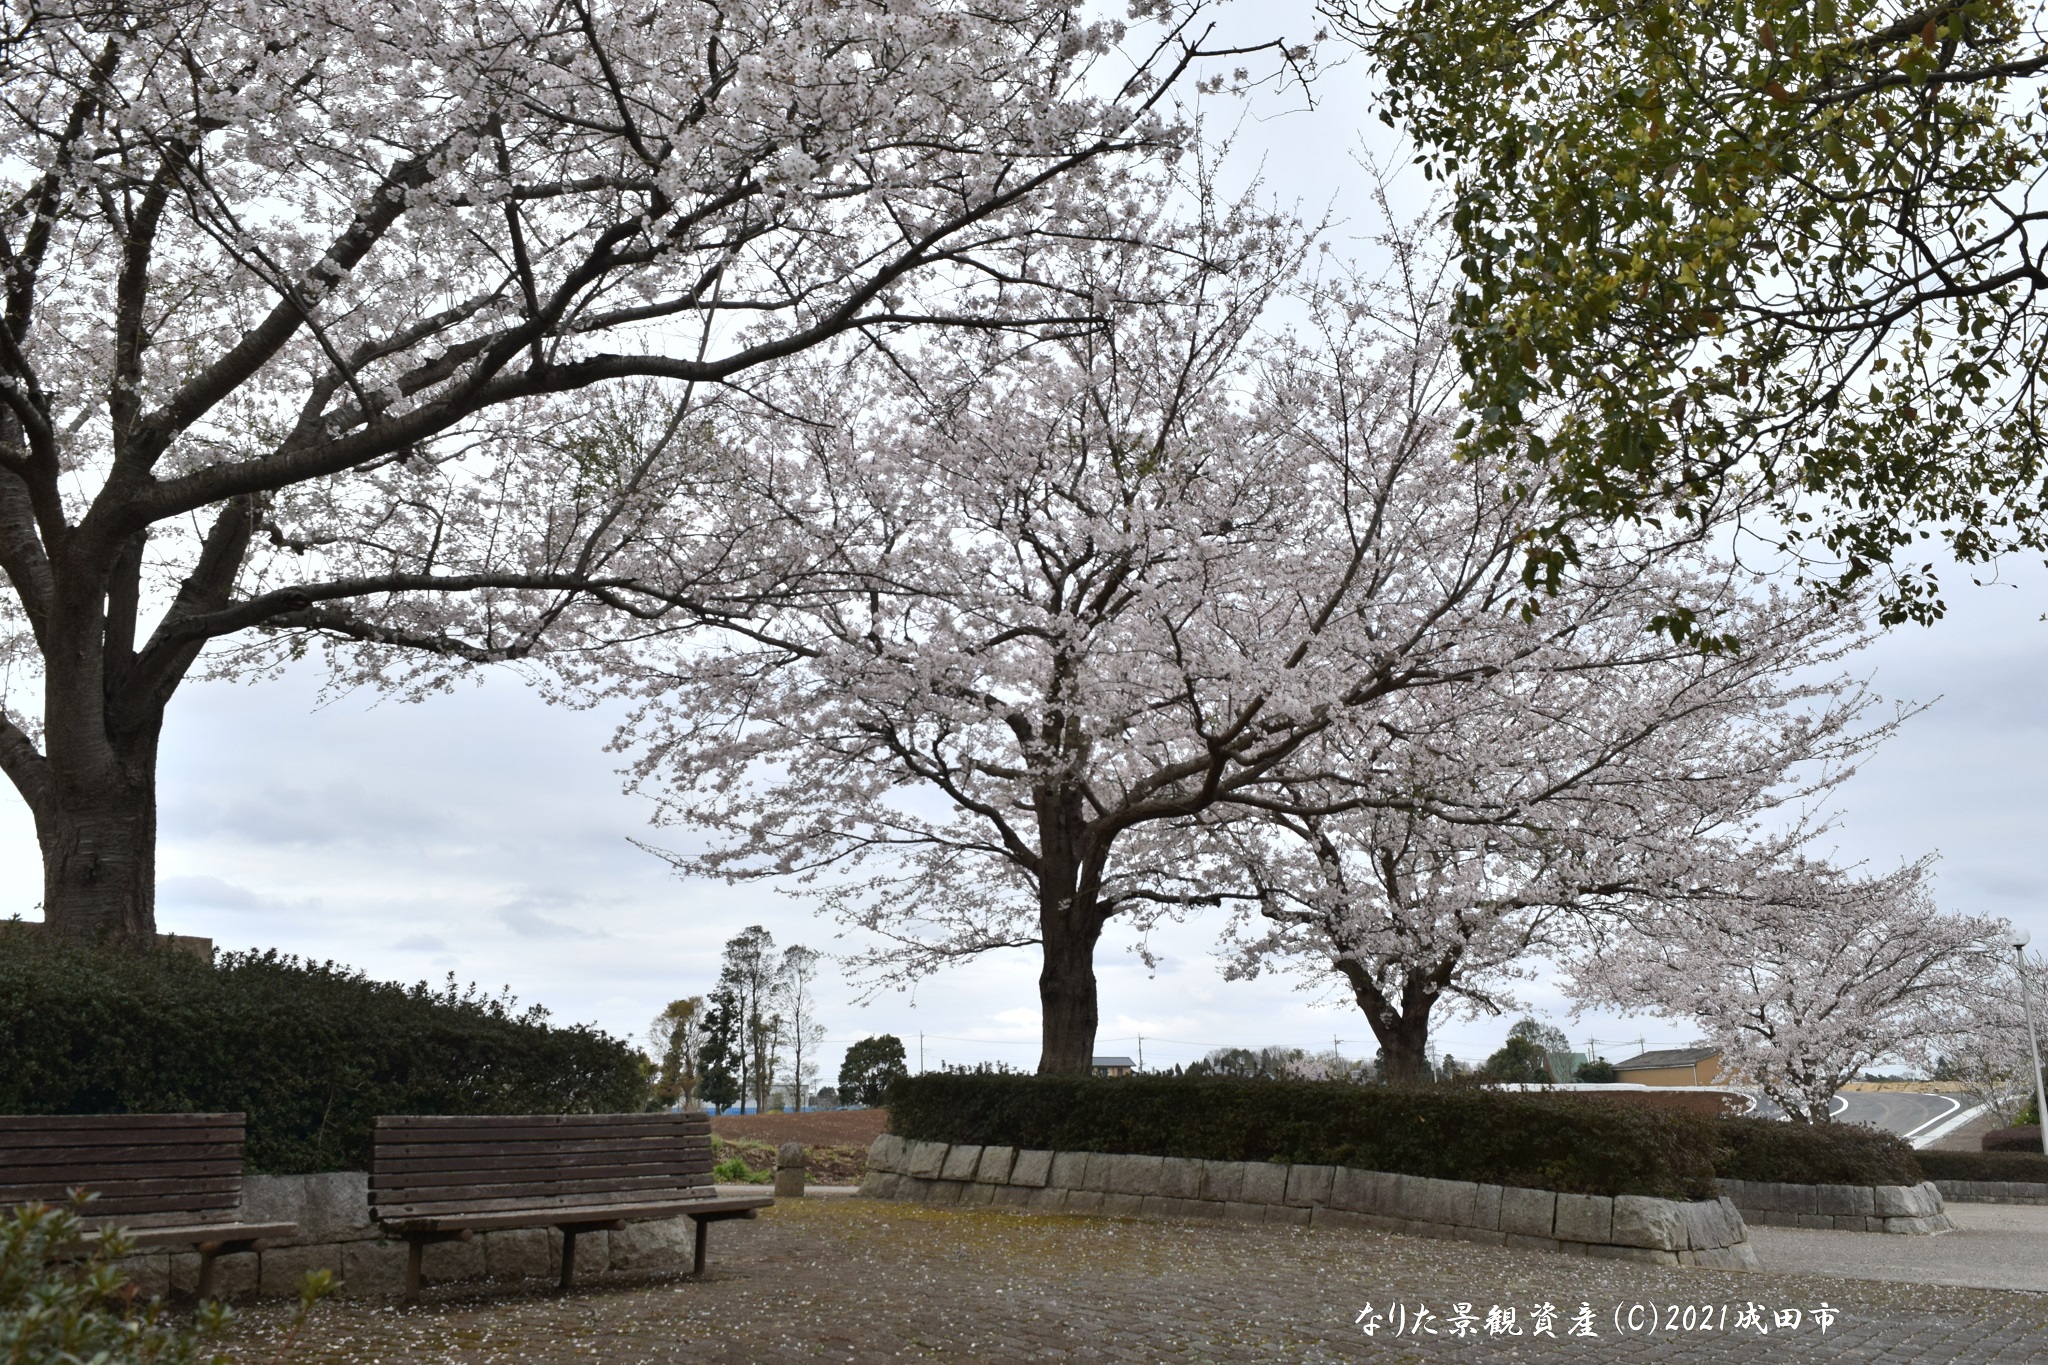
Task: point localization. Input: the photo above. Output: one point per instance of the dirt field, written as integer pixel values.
(833, 1128)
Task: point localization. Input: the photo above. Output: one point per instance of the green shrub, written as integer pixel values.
(1456, 1133)
(313, 1053)
(2025, 1167)
(1813, 1153)
(57, 1309)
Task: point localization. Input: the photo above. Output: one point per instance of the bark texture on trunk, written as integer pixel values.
(98, 838)
(1066, 997)
(1403, 1030)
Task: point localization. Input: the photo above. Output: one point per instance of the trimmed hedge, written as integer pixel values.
(2025, 1138)
(1813, 1153)
(311, 1052)
(1447, 1132)
(2026, 1167)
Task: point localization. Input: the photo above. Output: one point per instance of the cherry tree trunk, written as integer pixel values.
(1066, 994)
(1403, 1033)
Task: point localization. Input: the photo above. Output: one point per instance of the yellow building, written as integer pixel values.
(1672, 1066)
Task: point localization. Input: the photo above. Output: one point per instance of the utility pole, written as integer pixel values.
(920, 1052)
(1141, 1052)
(2020, 939)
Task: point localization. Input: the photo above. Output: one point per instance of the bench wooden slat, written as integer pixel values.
(86, 1172)
(538, 1190)
(408, 1158)
(660, 1121)
(30, 1123)
(523, 1132)
(535, 1165)
(50, 1154)
(229, 1186)
(99, 1140)
(531, 1216)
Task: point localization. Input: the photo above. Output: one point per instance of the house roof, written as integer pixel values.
(1671, 1056)
(1110, 1061)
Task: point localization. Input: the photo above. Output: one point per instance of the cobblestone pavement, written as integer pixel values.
(857, 1280)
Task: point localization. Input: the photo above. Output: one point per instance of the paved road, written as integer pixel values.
(1995, 1246)
(854, 1280)
(1895, 1111)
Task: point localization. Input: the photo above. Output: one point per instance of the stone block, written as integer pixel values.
(336, 1207)
(886, 1153)
(1084, 1201)
(1180, 1178)
(1265, 1182)
(1308, 1186)
(1491, 1237)
(789, 1181)
(1222, 1181)
(1201, 1208)
(1852, 1222)
(1741, 1256)
(1363, 1191)
(1843, 1201)
(1069, 1170)
(1450, 1202)
(1894, 1201)
(995, 1165)
(960, 1162)
(1289, 1215)
(1049, 1199)
(521, 1253)
(1237, 1211)
(1585, 1218)
(1528, 1213)
(1795, 1199)
(925, 1160)
(1523, 1242)
(373, 1269)
(449, 1262)
(275, 1199)
(234, 1276)
(1100, 1174)
(1812, 1220)
(944, 1192)
(1014, 1196)
(1032, 1168)
(878, 1185)
(1486, 1207)
(1410, 1197)
(977, 1194)
(1705, 1224)
(1640, 1221)
(1640, 1255)
(659, 1247)
(1115, 1205)
(1344, 1220)
(913, 1190)
(280, 1269)
(1565, 1248)
(149, 1272)
(1139, 1175)
(1163, 1206)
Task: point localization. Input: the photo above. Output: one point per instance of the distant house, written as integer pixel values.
(1112, 1066)
(1672, 1066)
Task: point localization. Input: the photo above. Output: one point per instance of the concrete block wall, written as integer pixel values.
(336, 1234)
(1910, 1209)
(1993, 1191)
(1623, 1227)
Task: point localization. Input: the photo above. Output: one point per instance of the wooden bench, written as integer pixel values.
(163, 1179)
(439, 1179)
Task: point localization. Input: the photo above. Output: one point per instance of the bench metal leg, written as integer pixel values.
(568, 1258)
(206, 1259)
(415, 1250)
(703, 1228)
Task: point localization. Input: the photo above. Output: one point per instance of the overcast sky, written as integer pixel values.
(486, 834)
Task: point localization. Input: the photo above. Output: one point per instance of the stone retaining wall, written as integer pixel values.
(336, 1234)
(1913, 1209)
(1993, 1191)
(1623, 1227)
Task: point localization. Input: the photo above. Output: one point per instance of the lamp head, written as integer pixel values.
(2019, 938)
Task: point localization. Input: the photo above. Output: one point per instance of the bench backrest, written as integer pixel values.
(149, 1170)
(434, 1166)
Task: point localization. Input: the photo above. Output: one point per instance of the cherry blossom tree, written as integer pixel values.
(296, 293)
(1985, 1048)
(1802, 974)
(1433, 866)
(1112, 581)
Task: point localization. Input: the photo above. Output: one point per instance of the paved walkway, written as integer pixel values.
(856, 1280)
(1995, 1246)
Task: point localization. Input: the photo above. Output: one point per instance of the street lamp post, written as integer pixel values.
(2020, 939)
